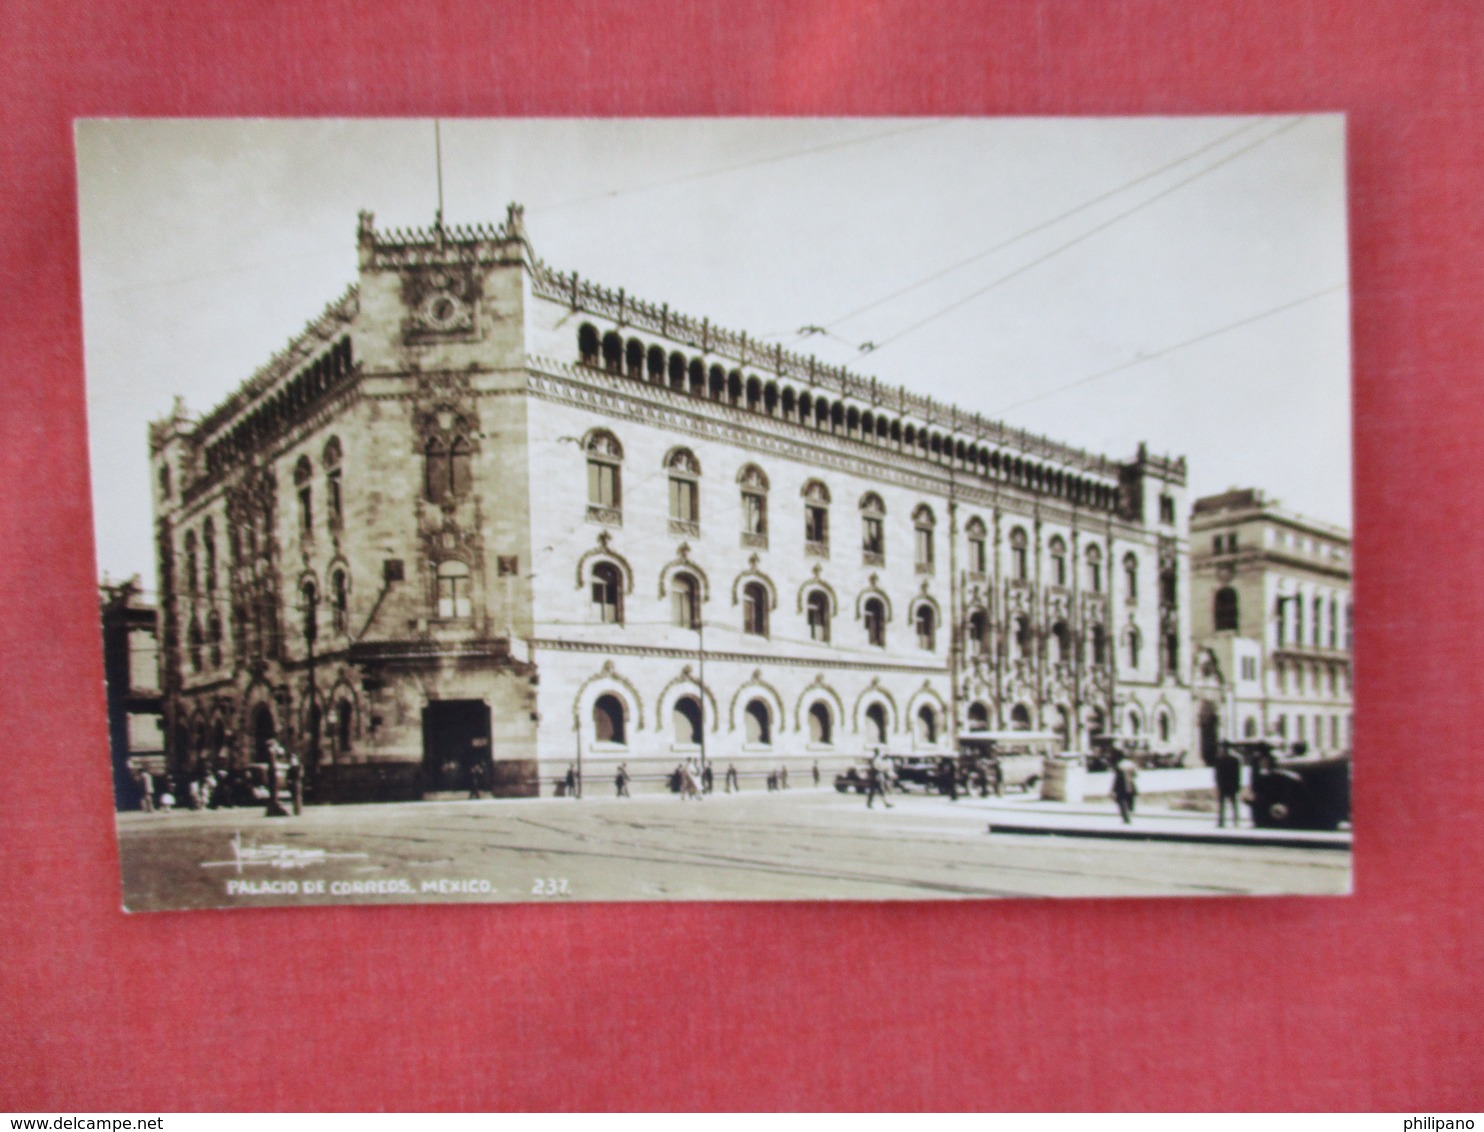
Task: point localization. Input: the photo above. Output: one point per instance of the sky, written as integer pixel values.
(1104, 282)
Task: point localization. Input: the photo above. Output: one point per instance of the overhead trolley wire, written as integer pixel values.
(1087, 235)
(1043, 225)
(1142, 357)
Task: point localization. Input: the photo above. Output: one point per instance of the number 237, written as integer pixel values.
(549, 886)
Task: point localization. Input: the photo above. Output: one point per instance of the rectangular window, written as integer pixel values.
(754, 514)
(337, 516)
(816, 525)
(873, 538)
(978, 563)
(602, 485)
(924, 547)
(453, 597)
(683, 501)
(306, 511)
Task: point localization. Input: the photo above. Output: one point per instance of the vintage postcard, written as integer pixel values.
(721, 509)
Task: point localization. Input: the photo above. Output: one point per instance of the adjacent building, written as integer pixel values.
(131, 677)
(486, 514)
(1272, 618)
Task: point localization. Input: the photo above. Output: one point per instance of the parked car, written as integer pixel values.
(1300, 793)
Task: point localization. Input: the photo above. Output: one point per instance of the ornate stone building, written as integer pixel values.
(1271, 614)
(482, 512)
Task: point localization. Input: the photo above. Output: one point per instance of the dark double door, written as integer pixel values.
(456, 740)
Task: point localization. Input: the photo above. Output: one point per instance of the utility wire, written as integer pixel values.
(1142, 358)
(1087, 235)
(753, 163)
(1043, 225)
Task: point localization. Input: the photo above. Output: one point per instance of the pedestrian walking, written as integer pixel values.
(621, 780)
(708, 780)
(146, 792)
(571, 781)
(948, 779)
(783, 778)
(816, 774)
(1228, 785)
(875, 784)
(732, 783)
(478, 774)
(1125, 786)
(296, 784)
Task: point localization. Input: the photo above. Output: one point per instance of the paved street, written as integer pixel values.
(803, 844)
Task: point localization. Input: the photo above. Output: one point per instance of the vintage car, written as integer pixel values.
(1300, 793)
(1019, 755)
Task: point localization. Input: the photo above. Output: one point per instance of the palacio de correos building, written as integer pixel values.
(486, 513)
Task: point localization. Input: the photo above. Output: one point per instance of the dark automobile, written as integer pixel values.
(851, 780)
(1300, 793)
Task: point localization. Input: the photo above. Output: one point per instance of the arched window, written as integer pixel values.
(334, 500)
(165, 481)
(448, 473)
(1226, 609)
(339, 602)
(192, 574)
(612, 352)
(873, 532)
(608, 720)
(817, 607)
(1135, 643)
(927, 725)
(755, 609)
(1058, 548)
(754, 506)
(1131, 576)
(821, 726)
(309, 609)
(587, 344)
(978, 633)
(1099, 645)
(686, 719)
(1062, 637)
(194, 639)
(685, 596)
(604, 487)
(685, 492)
(758, 722)
(1135, 722)
(344, 720)
(1168, 588)
(1020, 718)
(816, 519)
(978, 717)
(1162, 725)
(303, 473)
(978, 553)
(453, 590)
(875, 618)
(214, 638)
(1095, 569)
(927, 627)
(607, 591)
(1024, 647)
(208, 548)
(923, 523)
(876, 724)
(1249, 729)
(1019, 559)
(1172, 652)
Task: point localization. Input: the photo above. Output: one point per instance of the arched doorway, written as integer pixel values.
(687, 721)
(876, 721)
(1020, 718)
(264, 731)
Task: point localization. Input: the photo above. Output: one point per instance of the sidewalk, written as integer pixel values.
(1151, 822)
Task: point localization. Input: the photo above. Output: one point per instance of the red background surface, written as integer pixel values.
(1369, 1002)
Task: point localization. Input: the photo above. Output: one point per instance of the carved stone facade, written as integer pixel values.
(482, 513)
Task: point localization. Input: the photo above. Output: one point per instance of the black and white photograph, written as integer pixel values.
(721, 509)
